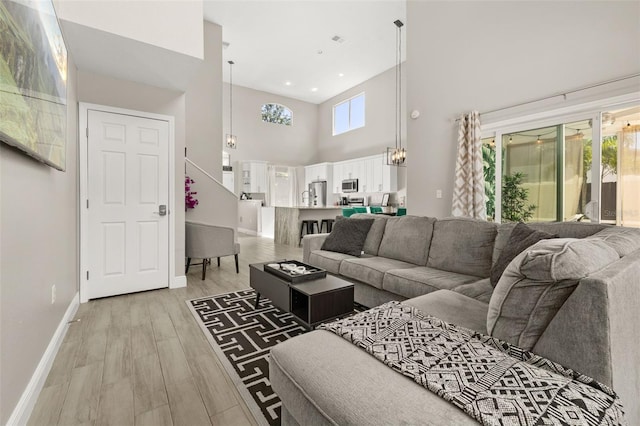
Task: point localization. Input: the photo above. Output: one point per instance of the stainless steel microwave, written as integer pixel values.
(350, 185)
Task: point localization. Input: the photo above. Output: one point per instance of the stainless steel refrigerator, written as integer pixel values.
(318, 193)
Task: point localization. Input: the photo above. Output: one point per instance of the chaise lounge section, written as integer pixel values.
(442, 267)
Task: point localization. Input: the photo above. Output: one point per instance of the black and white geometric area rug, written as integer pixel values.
(242, 336)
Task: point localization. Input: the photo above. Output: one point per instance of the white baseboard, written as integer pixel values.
(23, 409)
(179, 282)
(247, 231)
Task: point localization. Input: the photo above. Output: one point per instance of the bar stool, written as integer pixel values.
(309, 226)
(328, 222)
(360, 209)
(375, 209)
(402, 211)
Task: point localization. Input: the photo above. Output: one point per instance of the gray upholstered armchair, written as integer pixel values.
(208, 241)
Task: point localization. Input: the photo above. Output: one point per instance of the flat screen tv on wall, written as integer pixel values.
(33, 80)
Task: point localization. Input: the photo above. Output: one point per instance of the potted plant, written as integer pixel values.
(514, 199)
(189, 200)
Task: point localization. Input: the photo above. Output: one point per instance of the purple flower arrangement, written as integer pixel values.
(189, 201)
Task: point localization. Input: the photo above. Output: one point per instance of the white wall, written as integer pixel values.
(379, 130)
(204, 106)
(175, 25)
(380, 126)
(98, 89)
(39, 246)
(488, 55)
(278, 144)
(211, 196)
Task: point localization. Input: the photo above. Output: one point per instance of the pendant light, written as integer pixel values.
(231, 139)
(397, 155)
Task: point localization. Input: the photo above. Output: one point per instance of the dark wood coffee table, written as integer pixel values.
(311, 302)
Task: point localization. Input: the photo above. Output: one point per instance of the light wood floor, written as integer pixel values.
(141, 359)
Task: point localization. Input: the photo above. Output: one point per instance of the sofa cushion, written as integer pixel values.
(521, 237)
(623, 240)
(561, 229)
(374, 237)
(371, 270)
(414, 282)
(453, 307)
(348, 236)
(479, 290)
(328, 260)
(462, 245)
(407, 238)
(536, 284)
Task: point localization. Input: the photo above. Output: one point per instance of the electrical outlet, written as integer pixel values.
(53, 294)
(438, 193)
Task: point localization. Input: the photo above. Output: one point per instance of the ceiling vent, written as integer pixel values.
(337, 39)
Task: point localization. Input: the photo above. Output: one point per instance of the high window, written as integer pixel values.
(276, 113)
(348, 115)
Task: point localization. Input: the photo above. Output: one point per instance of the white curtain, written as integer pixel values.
(468, 190)
(629, 176)
(282, 186)
(293, 186)
(270, 196)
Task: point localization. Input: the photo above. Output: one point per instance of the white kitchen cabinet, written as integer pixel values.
(254, 176)
(228, 180)
(337, 177)
(377, 175)
(372, 172)
(322, 171)
(389, 177)
(367, 181)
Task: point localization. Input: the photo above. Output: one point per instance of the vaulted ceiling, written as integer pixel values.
(287, 47)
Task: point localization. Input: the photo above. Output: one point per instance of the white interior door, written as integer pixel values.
(128, 191)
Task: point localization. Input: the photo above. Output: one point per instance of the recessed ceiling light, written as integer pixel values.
(320, 52)
(314, 89)
(337, 39)
(287, 83)
(341, 74)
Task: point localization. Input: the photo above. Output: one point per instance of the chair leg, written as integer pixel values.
(302, 231)
(218, 262)
(237, 268)
(186, 269)
(204, 268)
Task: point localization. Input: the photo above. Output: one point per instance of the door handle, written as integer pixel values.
(162, 210)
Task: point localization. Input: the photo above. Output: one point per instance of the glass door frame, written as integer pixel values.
(496, 131)
(590, 109)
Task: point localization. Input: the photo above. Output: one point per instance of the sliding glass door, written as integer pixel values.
(620, 195)
(578, 169)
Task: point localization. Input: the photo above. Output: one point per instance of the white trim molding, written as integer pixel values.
(178, 282)
(24, 408)
(248, 231)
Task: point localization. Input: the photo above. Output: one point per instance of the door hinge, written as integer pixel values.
(87, 203)
(87, 275)
(87, 132)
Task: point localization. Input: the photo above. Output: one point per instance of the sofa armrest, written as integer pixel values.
(310, 243)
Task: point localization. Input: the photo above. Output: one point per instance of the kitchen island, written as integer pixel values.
(288, 220)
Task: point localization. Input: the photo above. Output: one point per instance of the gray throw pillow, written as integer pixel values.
(348, 236)
(536, 284)
(522, 237)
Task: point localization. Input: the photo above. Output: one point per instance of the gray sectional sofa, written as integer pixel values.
(574, 300)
